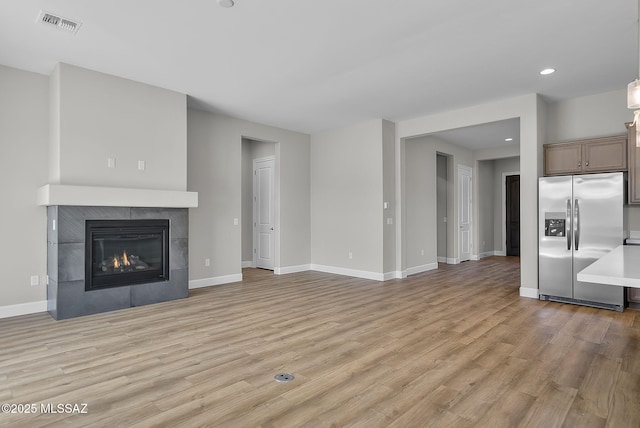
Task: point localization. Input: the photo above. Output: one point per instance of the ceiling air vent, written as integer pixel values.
(59, 22)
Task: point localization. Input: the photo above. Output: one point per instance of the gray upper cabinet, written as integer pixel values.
(606, 154)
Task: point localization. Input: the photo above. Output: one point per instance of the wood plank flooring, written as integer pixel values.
(454, 347)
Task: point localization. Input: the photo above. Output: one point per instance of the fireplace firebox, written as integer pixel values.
(125, 252)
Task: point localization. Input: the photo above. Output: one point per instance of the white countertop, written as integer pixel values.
(621, 266)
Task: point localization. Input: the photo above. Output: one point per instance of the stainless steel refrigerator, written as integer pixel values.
(580, 219)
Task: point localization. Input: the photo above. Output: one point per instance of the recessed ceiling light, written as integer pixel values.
(226, 3)
(548, 71)
(508, 139)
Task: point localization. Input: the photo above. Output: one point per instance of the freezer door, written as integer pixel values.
(598, 203)
(555, 236)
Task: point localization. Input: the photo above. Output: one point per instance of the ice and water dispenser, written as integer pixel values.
(554, 224)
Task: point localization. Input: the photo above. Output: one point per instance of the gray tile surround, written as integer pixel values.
(66, 296)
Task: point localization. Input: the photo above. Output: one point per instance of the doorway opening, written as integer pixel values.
(488, 150)
(512, 214)
(444, 190)
(258, 193)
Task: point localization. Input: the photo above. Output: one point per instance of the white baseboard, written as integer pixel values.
(442, 260)
(341, 271)
(396, 274)
(349, 272)
(529, 292)
(423, 268)
(218, 280)
(490, 253)
(291, 269)
(247, 264)
(453, 261)
(23, 309)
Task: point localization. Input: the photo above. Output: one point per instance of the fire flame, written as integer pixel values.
(117, 260)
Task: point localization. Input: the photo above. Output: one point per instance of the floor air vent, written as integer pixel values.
(59, 22)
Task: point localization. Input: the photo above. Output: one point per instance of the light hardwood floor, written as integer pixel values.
(456, 347)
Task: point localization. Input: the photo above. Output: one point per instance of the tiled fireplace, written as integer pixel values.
(135, 256)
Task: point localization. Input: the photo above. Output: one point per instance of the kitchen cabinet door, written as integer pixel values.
(562, 159)
(605, 155)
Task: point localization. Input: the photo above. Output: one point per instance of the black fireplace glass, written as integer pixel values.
(126, 252)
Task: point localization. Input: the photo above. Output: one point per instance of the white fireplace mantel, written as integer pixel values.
(61, 194)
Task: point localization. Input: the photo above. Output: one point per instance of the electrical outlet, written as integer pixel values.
(142, 165)
(422, 252)
(207, 262)
(35, 280)
(350, 255)
(111, 162)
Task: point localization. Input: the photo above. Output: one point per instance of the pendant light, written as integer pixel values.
(633, 91)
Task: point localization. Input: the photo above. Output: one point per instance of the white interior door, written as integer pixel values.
(465, 214)
(263, 213)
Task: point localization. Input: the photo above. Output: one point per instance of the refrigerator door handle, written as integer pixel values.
(576, 224)
(567, 225)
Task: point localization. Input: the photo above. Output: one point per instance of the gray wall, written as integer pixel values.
(586, 117)
(24, 121)
(420, 176)
(486, 207)
(499, 159)
(421, 201)
(347, 198)
(389, 194)
(215, 171)
(102, 116)
(491, 236)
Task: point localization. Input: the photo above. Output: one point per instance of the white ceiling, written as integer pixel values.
(311, 65)
(486, 135)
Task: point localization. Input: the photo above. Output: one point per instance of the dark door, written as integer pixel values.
(513, 215)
